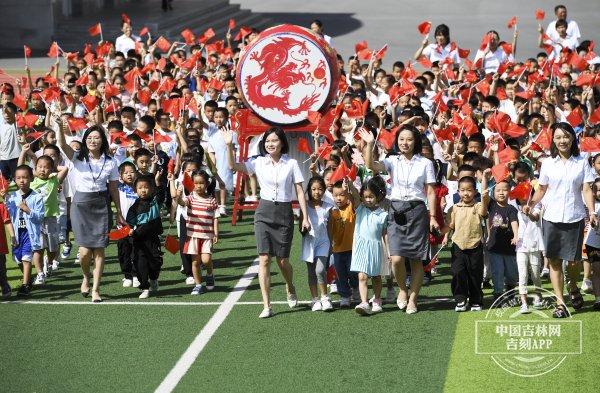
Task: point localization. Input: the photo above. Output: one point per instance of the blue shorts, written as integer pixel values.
(23, 251)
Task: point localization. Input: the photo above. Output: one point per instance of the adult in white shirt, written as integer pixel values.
(278, 176)
(572, 27)
(494, 55)
(317, 27)
(441, 49)
(94, 175)
(126, 41)
(413, 178)
(10, 149)
(563, 41)
(565, 184)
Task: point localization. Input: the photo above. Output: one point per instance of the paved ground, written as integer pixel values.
(394, 22)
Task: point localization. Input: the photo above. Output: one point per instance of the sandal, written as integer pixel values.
(576, 299)
(560, 312)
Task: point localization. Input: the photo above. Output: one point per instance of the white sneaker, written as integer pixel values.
(376, 307)
(145, 294)
(586, 286)
(401, 304)
(55, 265)
(222, 211)
(390, 295)
(345, 302)
(154, 285)
(251, 198)
(135, 282)
(545, 272)
(460, 307)
(475, 307)
(326, 304)
(47, 269)
(524, 309)
(78, 259)
(266, 313)
(292, 300)
(40, 279)
(363, 309)
(127, 283)
(333, 288)
(538, 304)
(66, 251)
(316, 305)
(190, 281)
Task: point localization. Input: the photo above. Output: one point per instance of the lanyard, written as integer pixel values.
(94, 179)
(406, 177)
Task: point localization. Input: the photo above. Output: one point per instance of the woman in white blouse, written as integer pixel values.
(93, 177)
(278, 177)
(409, 223)
(565, 189)
(441, 48)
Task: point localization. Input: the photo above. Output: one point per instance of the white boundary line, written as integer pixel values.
(189, 356)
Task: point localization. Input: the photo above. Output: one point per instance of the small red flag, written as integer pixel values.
(424, 27)
(125, 18)
(244, 31)
(463, 53)
(171, 166)
(365, 54)
(54, 50)
(188, 36)
(314, 117)
(507, 48)
(512, 22)
(188, 183)
(34, 136)
(507, 155)
(521, 191)
(143, 136)
(515, 131)
(500, 172)
(304, 147)
(352, 173)
(21, 103)
(163, 44)
(381, 52)
(444, 134)
(144, 31)
(387, 139)
(575, 118)
(172, 244)
(160, 138)
(28, 120)
(144, 96)
(324, 150)
(83, 80)
(76, 124)
(589, 144)
(216, 84)
(359, 46)
(95, 30)
(231, 24)
(340, 173)
(331, 274)
(425, 62)
(27, 51)
(539, 14)
(594, 117)
(110, 91)
(119, 233)
(90, 102)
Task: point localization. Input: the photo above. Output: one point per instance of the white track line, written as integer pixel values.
(189, 356)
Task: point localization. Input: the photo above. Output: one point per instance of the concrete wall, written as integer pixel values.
(27, 22)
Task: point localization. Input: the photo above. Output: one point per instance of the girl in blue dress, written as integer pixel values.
(369, 240)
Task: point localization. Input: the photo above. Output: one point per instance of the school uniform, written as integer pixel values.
(27, 226)
(274, 219)
(127, 198)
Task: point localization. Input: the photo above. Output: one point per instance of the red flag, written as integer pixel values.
(359, 46)
(340, 173)
(585, 78)
(324, 150)
(444, 134)
(514, 130)
(95, 30)
(463, 53)
(143, 136)
(387, 138)
(33, 136)
(304, 147)
(209, 33)
(500, 172)
(539, 14)
(507, 48)
(521, 191)
(381, 52)
(83, 80)
(498, 122)
(244, 31)
(507, 155)
(589, 144)
(110, 91)
(331, 274)
(76, 124)
(163, 44)
(424, 27)
(144, 31)
(172, 244)
(485, 41)
(119, 233)
(352, 173)
(118, 135)
(171, 166)
(314, 117)
(188, 183)
(125, 19)
(27, 51)
(527, 94)
(544, 139)
(90, 102)
(188, 36)
(231, 25)
(21, 103)
(54, 50)
(160, 138)
(365, 54)
(512, 22)
(593, 119)
(575, 118)
(469, 126)
(28, 120)
(50, 94)
(144, 96)
(216, 84)
(425, 62)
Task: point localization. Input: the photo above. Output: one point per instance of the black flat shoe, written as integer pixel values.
(85, 294)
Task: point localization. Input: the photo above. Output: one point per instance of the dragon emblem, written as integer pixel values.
(285, 71)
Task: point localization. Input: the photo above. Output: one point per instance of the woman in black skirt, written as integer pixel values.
(278, 177)
(565, 182)
(409, 222)
(93, 177)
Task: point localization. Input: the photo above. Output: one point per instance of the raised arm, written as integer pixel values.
(419, 51)
(233, 165)
(60, 137)
(374, 166)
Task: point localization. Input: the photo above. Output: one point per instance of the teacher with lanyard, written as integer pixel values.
(278, 176)
(93, 175)
(565, 182)
(409, 223)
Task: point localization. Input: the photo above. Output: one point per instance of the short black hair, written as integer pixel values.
(285, 147)
(26, 168)
(210, 180)
(128, 109)
(47, 159)
(376, 185)
(148, 121)
(142, 152)
(144, 179)
(468, 179)
(126, 164)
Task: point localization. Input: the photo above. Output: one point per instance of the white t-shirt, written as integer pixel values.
(572, 30)
(493, 59)
(124, 44)
(434, 53)
(9, 143)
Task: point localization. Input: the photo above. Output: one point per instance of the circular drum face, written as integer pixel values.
(287, 72)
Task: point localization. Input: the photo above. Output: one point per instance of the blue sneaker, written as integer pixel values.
(66, 251)
(199, 290)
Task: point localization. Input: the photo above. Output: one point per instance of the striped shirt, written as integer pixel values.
(200, 216)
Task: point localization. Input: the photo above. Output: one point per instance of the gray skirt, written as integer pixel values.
(408, 230)
(563, 240)
(91, 218)
(274, 228)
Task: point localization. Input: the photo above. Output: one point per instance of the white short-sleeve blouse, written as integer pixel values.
(92, 175)
(276, 180)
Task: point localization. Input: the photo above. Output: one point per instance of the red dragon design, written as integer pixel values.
(279, 75)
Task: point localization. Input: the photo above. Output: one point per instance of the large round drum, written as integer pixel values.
(286, 72)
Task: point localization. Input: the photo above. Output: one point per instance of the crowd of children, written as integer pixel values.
(484, 129)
